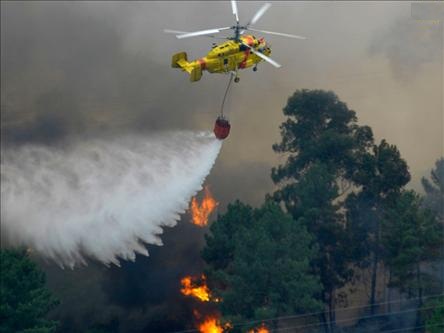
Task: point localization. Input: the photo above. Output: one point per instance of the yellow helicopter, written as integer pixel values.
(239, 52)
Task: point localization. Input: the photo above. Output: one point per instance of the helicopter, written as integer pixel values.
(240, 51)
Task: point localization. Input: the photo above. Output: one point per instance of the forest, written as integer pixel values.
(342, 222)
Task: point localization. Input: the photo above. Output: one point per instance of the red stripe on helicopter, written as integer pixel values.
(202, 63)
(243, 64)
(249, 41)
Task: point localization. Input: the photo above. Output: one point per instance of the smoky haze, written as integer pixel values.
(74, 71)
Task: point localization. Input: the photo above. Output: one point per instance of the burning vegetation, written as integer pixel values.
(211, 325)
(190, 287)
(201, 212)
(197, 287)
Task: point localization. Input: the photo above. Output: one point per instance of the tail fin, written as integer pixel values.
(179, 60)
(181, 56)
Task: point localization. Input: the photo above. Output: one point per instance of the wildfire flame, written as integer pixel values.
(260, 329)
(210, 325)
(191, 289)
(200, 213)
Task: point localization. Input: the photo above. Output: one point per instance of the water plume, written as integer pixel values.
(102, 199)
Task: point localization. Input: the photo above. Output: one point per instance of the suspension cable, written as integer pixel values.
(225, 95)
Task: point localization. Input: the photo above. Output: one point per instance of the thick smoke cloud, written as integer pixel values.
(409, 44)
(71, 70)
(101, 198)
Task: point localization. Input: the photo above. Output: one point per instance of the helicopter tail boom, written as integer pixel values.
(179, 60)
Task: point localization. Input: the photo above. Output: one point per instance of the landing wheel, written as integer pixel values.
(237, 79)
(254, 69)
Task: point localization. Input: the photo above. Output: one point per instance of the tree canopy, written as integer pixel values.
(25, 300)
(259, 263)
(434, 188)
(434, 315)
(345, 209)
(341, 185)
(324, 146)
(411, 235)
(319, 128)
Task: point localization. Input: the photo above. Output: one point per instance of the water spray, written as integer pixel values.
(101, 199)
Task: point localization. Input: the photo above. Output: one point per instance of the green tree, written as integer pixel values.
(324, 145)
(25, 300)
(412, 235)
(433, 315)
(380, 175)
(220, 246)
(319, 129)
(259, 264)
(434, 199)
(434, 189)
(317, 210)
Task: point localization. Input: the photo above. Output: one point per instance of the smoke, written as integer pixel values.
(98, 198)
(409, 45)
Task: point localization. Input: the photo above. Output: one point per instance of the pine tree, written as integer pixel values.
(25, 300)
(434, 199)
(259, 264)
(434, 189)
(411, 235)
(380, 174)
(324, 145)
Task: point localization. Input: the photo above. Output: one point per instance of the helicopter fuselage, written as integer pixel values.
(226, 57)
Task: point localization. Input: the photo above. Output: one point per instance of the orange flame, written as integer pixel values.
(260, 329)
(190, 289)
(200, 213)
(210, 325)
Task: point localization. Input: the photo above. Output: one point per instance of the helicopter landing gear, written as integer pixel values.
(254, 68)
(234, 74)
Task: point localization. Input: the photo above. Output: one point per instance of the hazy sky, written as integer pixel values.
(75, 69)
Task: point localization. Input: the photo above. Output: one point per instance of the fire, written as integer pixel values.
(190, 289)
(199, 289)
(200, 213)
(260, 329)
(210, 325)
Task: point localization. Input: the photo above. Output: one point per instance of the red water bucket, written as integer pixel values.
(221, 128)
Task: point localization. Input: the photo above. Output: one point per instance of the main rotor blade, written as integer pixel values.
(234, 8)
(169, 31)
(202, 32)
(263, 56)
(259, 13)
(277, 33)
